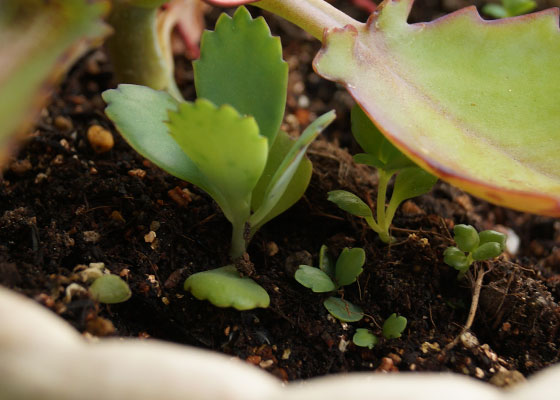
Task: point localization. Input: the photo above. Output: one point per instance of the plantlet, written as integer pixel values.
(330, 277)
(509, 8)
(364, 338)
(228, 142)
(411, 181)
(394, 326)
(465, 110)
(473, 246)
(110, 289)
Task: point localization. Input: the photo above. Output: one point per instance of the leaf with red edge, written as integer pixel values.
(475, 102)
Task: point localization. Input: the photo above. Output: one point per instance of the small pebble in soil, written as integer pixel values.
(20, 167)
(100, 139)
(137, 172)
(91, 236)
(63, 123)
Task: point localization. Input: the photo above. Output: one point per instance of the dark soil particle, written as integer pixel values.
(63, 205)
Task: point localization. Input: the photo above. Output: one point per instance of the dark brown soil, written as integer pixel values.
(63, 205)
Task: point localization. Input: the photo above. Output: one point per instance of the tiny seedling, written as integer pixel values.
(509, 8)
(394, 326)
(228, 142)
(411, 181)
(364, 338)
(330, 277)
(110, 289)
(473, 246)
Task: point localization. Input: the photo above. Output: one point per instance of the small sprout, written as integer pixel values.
(394, 326)
(110, 289)
(329, 278)
(224, 287)
(473, 246)
(509, 8)
(411, 181)
(364, 338)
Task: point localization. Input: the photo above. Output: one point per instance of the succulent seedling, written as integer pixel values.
(394, 326)
(465, 110)
(110, 289)
(411, 181)
(330, 277)
(228, 142)
(509, 8)
(473, 246)
(364, 338)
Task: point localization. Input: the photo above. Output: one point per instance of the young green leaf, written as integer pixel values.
(412, 182)
(493, 236)
(349, 202)
(326, 263)
(394, 326)
(224, 287)
(110, 289)
(343, 310)
(314, 279)
(487, 251)
(364, 338)
(138, 113)
(349, 265)
(288, 167)
(455, 258)
(226, 148)
(466, 237)
(241, 65)
(464, 110)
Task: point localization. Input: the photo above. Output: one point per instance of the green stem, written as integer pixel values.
(140, 53)
(313, 16)
(384, 178)
(238, 241)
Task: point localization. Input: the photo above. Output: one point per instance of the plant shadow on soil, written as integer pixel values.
(62, 205)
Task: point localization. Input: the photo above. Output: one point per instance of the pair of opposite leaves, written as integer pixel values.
(475, 102)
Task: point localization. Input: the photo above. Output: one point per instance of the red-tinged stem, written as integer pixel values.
(313, 16)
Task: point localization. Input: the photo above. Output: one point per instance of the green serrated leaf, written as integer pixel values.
(478, 113)
(138, 113)
(364, 338)
(314, 279)
(226, 148)
(110, 289)
(350, 203)
(394, 326)
(224, 287)
(241, 64)
(326, 264)
(466, 237)
(288, 167)
(343, 310)
(349, 265)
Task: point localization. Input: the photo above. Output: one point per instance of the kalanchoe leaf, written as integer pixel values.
(288, 167)
(487, 251)
(493, 236)
(364, 338)
(295, 189)
(224, 287)
(463, 109)
(241, 65)
(349, 265)
(382, 154)
(326, 263)
(343, 310)
(455, 258)
(110, 289)
(349, 202)
(226, 148)
(466, 237)
(394, 326)
(314, 279)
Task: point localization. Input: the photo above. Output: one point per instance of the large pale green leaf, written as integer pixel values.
(475, 102)
(225, 146)
(139, 113)
(241, 65)
(39, 41)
